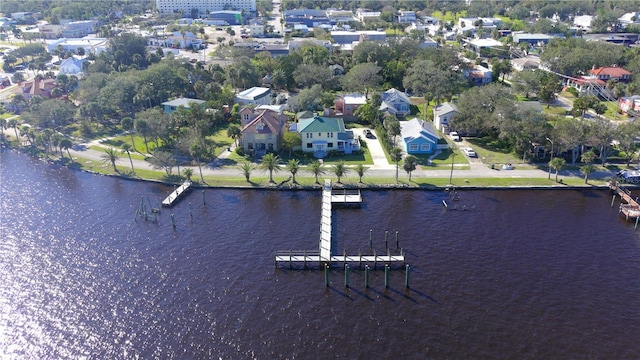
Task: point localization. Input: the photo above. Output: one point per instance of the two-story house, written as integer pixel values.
(346, 105)
(396, 103)
(614, 73)
(261, 131)
(442, 115)
(323, 134)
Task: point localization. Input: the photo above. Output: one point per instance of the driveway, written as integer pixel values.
(374, 146)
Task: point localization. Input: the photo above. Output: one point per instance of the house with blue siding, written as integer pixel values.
(418, 137)
(323, 134)
(396, 102)
(173, 105)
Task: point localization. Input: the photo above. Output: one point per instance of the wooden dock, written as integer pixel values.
(176, 194)
(629, 206)
(323, 254)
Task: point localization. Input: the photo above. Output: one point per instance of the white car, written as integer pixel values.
(470, 152)
(454, 136)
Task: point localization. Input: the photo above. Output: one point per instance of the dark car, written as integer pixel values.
(368, 134)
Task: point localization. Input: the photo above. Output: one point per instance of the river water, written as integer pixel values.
(524, 274)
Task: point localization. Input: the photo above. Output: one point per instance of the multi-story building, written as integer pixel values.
(204, 7)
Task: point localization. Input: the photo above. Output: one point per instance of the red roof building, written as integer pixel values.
(615, 73)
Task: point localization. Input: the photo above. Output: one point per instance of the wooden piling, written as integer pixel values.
(613, 199)
(370, 238)
(636, 226)
(190, 210)
(386, 276)
(326, 275)
(366, 276)
(204, 200)
(173, 222)
(386, 239)
(346, 275)
(397, 246)
(407, 275)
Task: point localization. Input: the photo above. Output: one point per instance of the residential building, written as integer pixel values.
(348, 37)
(630, 104)
(178, 40)
(529, 62)
(336, 16)
(406, 16)
(262, 130)
(72, 66)
(614, 73)
(364, 15)
(256, 28)
(396, 103)
(254, 96)
(90, 45)
(587, 86)
(428, 43)
(204, 6)
(583, 22)
(532, 39)
(346, 105)
(442, 115)
(631, 18)
(323, 134)
(35, 87)
(77, 29)
(50, 31)
(173, 105)
(418, 137)
(478, 75)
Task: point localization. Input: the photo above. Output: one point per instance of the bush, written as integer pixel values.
(573, 91)
(240, 150)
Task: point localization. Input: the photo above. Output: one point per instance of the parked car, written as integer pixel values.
(470, 152)
(368, 134)
(454, 136)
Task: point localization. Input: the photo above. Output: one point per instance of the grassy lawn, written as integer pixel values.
(492, 152)
(220, 141)
(554, 110)
(448, 16)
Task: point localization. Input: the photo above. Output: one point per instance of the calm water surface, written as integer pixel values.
(527, 274)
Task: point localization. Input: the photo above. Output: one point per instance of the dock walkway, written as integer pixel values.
(630, 208)
(176, 194)
(323, 255)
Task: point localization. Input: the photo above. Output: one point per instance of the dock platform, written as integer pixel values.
(323, 254)
(176, 194)
(630, 208)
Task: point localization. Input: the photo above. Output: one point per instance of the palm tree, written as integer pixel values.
(196, 151)
(110, 156)
(557, 164)
(410, 164)
(340, 169)
(126, 149)
(234, 132)
(317, 169)
(293, 166)
(13, 123)
(188, 173)
(587, 169)
(396, 156)
(66, 144)
(127, 125)
(247, 168)
(270, 162)
(360, 170)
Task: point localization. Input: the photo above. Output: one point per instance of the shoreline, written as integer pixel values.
(361, 186)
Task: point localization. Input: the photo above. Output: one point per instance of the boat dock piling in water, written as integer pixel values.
(324, 254)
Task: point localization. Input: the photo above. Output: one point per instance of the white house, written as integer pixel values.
(72, 66)
(254, 96)
(442, 115)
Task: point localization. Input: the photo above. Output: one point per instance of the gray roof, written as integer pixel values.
(182, 102)
(445, 109)
(392, 94)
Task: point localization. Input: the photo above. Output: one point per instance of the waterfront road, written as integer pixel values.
(380, 169)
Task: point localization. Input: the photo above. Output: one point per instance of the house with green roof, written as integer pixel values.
(323, 134)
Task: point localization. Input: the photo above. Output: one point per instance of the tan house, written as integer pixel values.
(262, 130)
